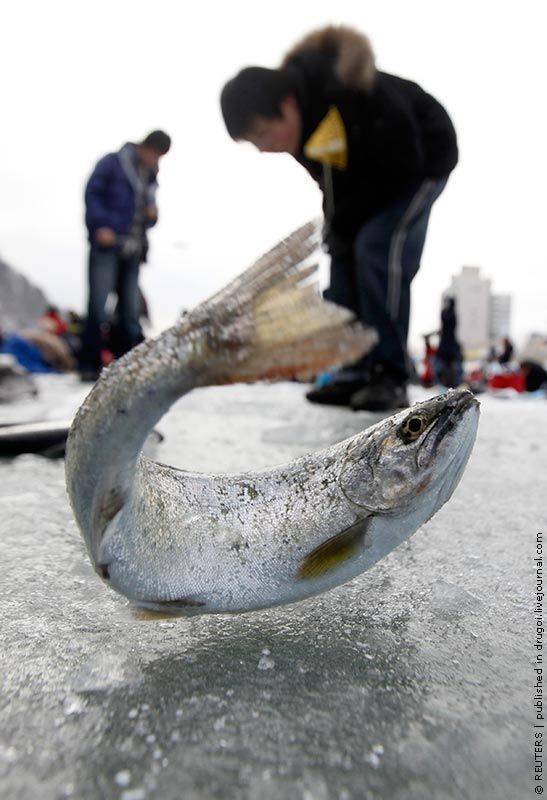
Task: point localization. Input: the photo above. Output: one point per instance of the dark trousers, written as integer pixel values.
(109, 272)
(374, 280)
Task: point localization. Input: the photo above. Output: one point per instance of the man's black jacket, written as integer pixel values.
(397, 134)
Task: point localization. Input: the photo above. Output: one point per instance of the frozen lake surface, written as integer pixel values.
(413, 681)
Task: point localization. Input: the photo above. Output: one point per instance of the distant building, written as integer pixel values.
(472, 295)
(483, 317)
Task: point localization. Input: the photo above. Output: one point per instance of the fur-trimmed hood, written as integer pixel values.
(353, 55)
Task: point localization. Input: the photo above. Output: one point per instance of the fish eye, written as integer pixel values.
(412, 428)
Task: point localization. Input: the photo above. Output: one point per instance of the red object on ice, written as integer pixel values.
(428, 376)
(55, 323)
(508, 380)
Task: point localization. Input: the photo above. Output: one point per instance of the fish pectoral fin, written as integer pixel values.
(334, 551)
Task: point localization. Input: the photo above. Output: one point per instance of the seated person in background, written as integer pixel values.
(53, 322)
(535, 377)
(38, 350)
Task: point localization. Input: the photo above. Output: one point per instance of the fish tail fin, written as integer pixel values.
(276, 324)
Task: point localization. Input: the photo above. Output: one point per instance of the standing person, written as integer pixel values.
(448, 358)
(120, 207)
(381, 150)
(507, 353)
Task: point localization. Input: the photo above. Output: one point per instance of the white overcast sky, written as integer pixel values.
(79, 79)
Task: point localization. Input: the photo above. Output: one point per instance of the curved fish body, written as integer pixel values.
(191, 543)
(185, 543)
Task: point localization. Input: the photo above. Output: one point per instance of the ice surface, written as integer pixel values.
(411, 682)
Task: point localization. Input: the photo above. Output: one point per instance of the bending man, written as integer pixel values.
(381, 150)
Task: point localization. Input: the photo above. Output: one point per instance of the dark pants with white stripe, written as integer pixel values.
(375, 282)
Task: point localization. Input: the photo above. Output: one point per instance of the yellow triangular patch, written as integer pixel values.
(328, 143)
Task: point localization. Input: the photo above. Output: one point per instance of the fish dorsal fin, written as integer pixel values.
(335, 551)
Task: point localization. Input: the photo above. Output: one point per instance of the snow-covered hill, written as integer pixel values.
(21, 302)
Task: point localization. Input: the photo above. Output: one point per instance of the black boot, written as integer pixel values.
(385, 391)
(341, 387)
(335, 393)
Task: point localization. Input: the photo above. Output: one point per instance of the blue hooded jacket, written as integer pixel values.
(111, 190)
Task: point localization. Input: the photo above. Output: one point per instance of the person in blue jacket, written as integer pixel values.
(120, 207)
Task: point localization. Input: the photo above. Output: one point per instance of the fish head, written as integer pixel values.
(414, 456)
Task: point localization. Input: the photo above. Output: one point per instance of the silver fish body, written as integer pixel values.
(189, 543)
(186, 543)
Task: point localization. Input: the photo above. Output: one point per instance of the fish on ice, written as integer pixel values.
(185, 543)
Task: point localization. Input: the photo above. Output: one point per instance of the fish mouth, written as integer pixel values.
(458, 415)
(454, 406)
(447, 445)
(455, 419)
(461, 399)
(454, 401)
